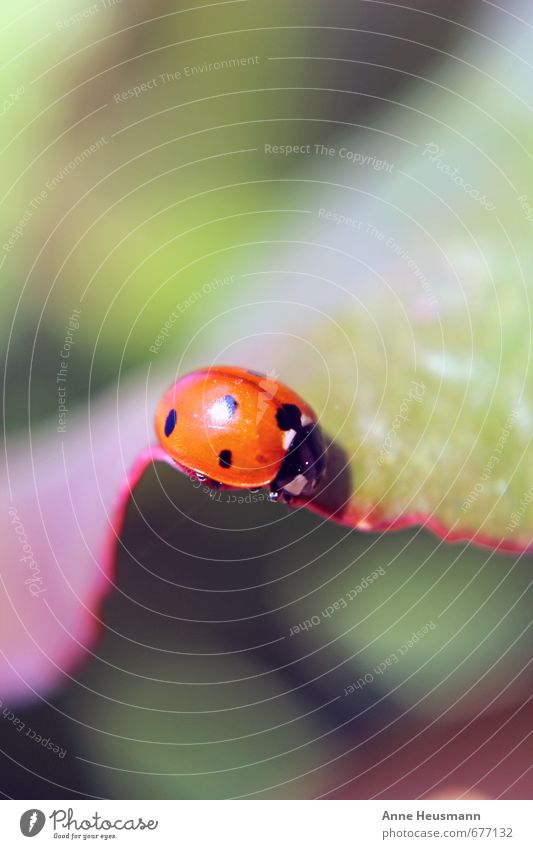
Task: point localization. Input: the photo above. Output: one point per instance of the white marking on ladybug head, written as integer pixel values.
(306, 420)
(287, 437)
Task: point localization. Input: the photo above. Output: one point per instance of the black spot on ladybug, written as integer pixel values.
(289, 417)
(231, 404)
(170, 423)
(224, 459)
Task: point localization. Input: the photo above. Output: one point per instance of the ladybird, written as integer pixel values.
(242, 430)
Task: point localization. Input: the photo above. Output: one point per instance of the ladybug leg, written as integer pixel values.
(279, 494)
(197, 476)
(209, 482)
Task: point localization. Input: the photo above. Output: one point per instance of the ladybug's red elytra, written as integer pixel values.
(243, 430)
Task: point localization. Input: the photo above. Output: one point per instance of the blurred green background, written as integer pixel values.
(135, 186)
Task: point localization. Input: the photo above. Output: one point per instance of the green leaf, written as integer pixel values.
(400, 306)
